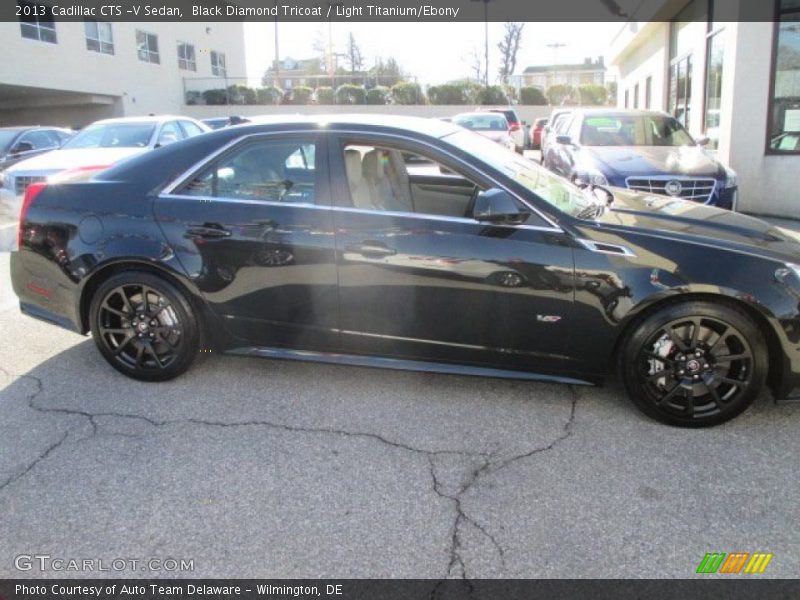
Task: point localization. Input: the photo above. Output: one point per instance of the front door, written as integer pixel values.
(254, 230)
(419, 278)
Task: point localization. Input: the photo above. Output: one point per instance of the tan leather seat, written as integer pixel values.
(359, 188)
(374, 173)
(397, 176)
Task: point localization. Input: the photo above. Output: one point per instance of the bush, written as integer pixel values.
(532, 96)
(325, 95)
(491, 94)
(215, 97)
(241, 94)
(448, 93)
(269, 95)
(559, 94)
(350, 94)
(378, 95)
(593, 95)
(407, 93)
(301, 94)
(511, 93)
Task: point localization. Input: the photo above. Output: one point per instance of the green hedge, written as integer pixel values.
(325, 95)
(351, 94)
(407, 93)
(378, 95)
(532, 96)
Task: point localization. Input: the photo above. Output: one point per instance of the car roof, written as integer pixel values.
(479, 113)
(31, 127)
(425, 126)
(149, 119)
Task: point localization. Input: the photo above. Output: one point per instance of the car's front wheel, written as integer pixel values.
(144, 326)
(694, 364)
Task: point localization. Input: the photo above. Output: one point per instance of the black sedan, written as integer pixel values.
(416, 244)
(20, 143)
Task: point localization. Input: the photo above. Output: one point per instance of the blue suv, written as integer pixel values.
(645, 151)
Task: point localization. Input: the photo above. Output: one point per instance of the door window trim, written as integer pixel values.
(169, 190)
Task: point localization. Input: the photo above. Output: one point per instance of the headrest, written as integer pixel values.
(352, 165)
(373, 164)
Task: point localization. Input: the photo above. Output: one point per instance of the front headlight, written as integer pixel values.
(591, 177)
(731, 179)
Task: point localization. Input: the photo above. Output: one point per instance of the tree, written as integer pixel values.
(532, 96)
(592, 94)
(559, 94)
(476, 64)
(387, 73)
(353, 57)
(509, 47)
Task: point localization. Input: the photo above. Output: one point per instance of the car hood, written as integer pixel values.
(59, 160)
(700, 223)
(655, 160)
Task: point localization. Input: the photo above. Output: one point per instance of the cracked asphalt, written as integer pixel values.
(266, 468)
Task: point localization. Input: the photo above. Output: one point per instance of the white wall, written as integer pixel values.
(142, 87)
(650, 59)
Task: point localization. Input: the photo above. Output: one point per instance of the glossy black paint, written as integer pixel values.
(551, 297)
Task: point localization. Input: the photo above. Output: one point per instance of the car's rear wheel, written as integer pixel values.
(694, 364)
(144, 326)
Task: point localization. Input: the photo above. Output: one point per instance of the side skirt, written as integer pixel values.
(401, 364)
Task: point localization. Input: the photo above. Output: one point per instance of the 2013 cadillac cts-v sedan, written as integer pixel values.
(411, 243)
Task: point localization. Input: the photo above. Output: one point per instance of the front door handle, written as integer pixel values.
(208, 230)
(372, 249)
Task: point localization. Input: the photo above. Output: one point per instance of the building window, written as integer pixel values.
(626, 98)
(711, 116)
(784, 121)
(147, 47)
(680, 89)
(636, 96)
(218, 64)
(99, 37)
(186, 60)
(648, 93)
(41, 28)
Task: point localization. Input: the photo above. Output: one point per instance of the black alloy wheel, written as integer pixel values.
(694, 364)
(144, 327)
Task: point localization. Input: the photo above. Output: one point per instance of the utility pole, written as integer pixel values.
(277, 58)
(485, 38)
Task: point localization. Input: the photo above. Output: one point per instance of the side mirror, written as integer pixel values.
(498, 206)
(22, 147)
(564, 139)
(703, 141)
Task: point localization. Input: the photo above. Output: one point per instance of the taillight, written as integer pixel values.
(513, 126)
(31, 192)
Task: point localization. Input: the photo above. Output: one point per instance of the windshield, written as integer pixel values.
(6, 137)
(633, 130)
(113, 135)
(487, 121)
(548, 186)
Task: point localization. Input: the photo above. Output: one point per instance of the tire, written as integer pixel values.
(689, 379)
(155, 340)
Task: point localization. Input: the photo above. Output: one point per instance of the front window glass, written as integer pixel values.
(113, 135)
(633, 130)
(551, 188)
(6, 137)
(265, 170)
(784, 132)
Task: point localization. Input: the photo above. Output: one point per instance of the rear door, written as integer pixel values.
(254, 231)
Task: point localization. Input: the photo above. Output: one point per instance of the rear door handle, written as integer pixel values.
(372, 249)
(208, 230)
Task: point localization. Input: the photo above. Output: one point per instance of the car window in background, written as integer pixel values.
(191, 129)
(113, 135)
(259, 171)
(302, 158)
(548, 186)
(170, 133)
(6, 137)
(488, 121)
(38, 139)
(634, 130)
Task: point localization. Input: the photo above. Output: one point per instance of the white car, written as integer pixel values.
(488, 124)
(97, 146)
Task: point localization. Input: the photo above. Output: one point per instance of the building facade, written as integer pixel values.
(735, 82)
(545, 76)
(73, 73)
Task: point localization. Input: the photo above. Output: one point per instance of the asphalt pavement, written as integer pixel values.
(265, 468)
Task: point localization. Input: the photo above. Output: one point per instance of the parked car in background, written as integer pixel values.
(558, 120)
(237, 242)
(516, 127)
(20, 143)
(490, 125)
(101, 145)
(536, 133)
(646, 151)
(220, 122)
